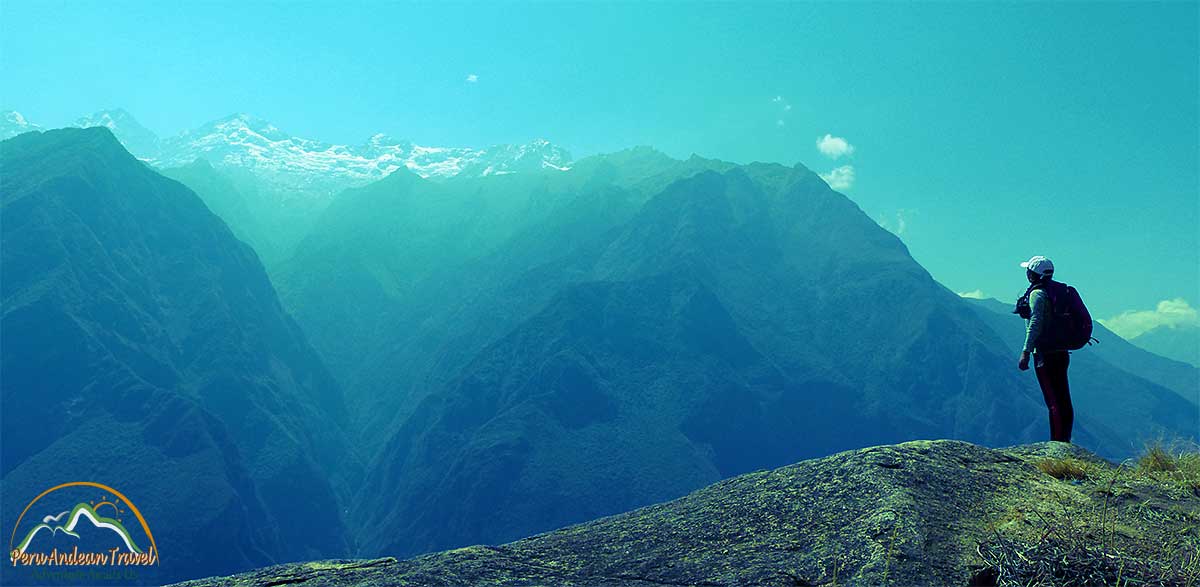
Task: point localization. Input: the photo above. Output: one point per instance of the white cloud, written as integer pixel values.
(787, 107)
(777, 99)
(974, 295)
(834, 147)
(1131, 323)
(779, 122)
(472, 78)
(840, 178)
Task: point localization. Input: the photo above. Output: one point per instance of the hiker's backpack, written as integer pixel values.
(1070, 326)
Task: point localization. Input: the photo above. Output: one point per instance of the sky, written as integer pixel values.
(980, 133)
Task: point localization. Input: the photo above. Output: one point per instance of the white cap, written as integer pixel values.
(1039, 264)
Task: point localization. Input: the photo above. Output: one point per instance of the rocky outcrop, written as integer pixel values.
(918, 513)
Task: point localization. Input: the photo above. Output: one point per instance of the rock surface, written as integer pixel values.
(908, 514)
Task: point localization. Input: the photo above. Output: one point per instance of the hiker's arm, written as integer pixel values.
(1037, 315)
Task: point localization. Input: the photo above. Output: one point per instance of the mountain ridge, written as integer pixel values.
(921, 512)
(1177, 342)
(244, 140)
(283, 183)
(803, 273)
(577, 342)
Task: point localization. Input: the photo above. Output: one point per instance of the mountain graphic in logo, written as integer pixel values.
(71, 523)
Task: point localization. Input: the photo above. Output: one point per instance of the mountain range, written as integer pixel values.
(711, 320)
(244, 141)
(285, 181)
(428, 362)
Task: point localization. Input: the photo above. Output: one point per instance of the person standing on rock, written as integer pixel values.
(1050, 363)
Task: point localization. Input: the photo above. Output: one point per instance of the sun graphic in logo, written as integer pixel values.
(105, 501)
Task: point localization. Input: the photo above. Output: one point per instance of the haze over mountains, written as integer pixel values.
(285, 181)
(438, 360)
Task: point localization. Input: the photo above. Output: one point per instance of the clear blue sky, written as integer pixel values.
(982, 133)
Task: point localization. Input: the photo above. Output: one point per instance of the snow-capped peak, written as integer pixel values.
(242, 123)
(12, 123)
(382, 139)
(310, 166)
(140, 140)
(107, 118)
(241, 140)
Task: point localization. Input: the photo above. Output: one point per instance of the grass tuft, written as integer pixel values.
(1176, 465)
(1156, 458)
(1064, 468)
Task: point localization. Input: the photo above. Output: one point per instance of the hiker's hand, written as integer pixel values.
(1023, 363)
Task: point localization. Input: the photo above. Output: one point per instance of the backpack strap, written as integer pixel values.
(1032, 287)
(1058, 292)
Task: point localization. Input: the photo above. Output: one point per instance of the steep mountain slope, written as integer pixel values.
(386, 276)
(918, 513)
(374, 246)
(823, 313)
(616, 393)
(225, 200)
(143, 345)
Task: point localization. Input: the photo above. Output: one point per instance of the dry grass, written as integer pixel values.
(1156, 458)
(1064, 468)
(1173, 464)
(1141, 528)
(1058, 562)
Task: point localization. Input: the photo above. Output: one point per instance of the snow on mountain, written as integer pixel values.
(255, 144)
(245, 142)
(140, 141)
(13, 124)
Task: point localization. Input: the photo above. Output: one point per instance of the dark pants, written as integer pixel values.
(1051, 372)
